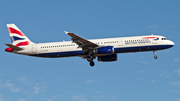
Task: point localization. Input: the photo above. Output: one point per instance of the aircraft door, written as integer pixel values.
(120, 42)
(34, 49)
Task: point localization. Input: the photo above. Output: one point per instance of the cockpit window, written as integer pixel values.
(164, 38)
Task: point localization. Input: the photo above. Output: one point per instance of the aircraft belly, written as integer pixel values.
(59, 54)
(141, 48)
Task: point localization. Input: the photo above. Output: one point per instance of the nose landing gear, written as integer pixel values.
(155, 56)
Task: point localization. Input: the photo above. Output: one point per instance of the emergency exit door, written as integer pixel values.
(120, 42)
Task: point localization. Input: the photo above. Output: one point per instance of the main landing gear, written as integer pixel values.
(91, 57)
(92, 63)
(90, 60)
(155, 56)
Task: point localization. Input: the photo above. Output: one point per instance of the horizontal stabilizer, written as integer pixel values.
(14, 47)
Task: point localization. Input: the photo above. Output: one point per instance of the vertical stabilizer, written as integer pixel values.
(17, 36)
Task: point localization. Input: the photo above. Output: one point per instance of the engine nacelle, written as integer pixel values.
(108, 58)
(105, 50)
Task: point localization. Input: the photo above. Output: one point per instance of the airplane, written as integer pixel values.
(105, 49)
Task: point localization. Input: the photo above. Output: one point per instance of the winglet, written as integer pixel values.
(66, 33)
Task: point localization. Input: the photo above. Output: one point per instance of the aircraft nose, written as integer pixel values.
(171, 43)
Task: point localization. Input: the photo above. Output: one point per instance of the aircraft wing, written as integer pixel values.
(83, 43)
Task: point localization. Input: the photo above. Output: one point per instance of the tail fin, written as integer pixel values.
(17, 36)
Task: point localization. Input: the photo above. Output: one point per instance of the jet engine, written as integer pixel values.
(108, 58)
(105, 50)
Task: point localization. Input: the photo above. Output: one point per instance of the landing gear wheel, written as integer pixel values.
(155, 57)
(92, 63)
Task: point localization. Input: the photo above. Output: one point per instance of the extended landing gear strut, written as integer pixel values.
(155, 56)
(90, 60)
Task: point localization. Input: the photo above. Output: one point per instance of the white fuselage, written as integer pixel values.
(121, 45)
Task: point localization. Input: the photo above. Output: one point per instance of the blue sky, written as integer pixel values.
(134, 77)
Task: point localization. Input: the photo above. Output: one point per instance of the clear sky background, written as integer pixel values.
(134, 77)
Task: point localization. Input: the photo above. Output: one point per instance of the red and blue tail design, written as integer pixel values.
(17, 36)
